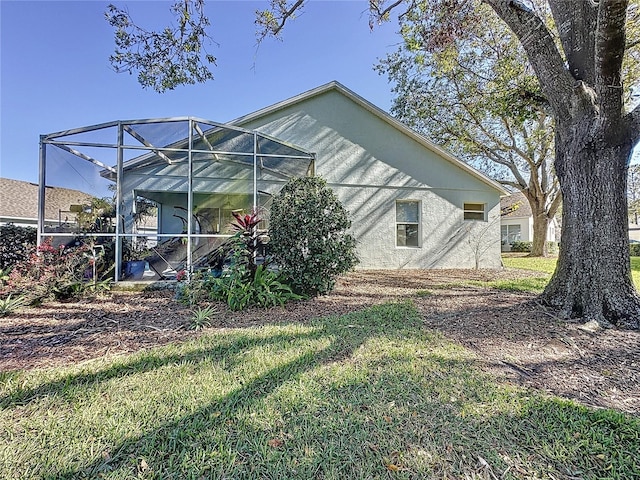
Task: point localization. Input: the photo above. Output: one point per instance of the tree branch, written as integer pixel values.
(631, 45)
(555, 203)
(576, 25)
(273, 20)
(381, 15)
(509, 183)
(556, 81)
(510, 165)
(610, 43)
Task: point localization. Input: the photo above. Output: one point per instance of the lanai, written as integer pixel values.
(162, 182)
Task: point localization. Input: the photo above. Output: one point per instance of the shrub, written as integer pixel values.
(309, 239)
(521, 246)
(245, 283)
(60, 272)
(634, 249)
(16, 244)
(552, 247)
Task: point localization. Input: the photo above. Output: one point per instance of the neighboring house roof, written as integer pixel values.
(515, 205)
(19, 200)
(378, 112)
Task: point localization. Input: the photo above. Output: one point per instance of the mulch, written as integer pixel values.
(513, 335)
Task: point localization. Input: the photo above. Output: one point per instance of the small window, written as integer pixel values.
(407, 223)
(474, 211)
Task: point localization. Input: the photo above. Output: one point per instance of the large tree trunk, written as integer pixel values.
(541, 217)
(593, 276)
(540, 228)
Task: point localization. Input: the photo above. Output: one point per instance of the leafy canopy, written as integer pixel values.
(167, 58)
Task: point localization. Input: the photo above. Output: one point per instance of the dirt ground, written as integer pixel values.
(513, 336)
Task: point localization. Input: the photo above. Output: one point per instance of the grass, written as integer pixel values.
(371, 394)
(547, 266)
(537, 264)
(532, 284)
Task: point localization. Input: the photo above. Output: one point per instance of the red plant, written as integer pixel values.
(245, 223)
(246, 243)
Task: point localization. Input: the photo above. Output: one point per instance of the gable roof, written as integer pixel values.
(378, 112)
(19, 200)
(516, 205)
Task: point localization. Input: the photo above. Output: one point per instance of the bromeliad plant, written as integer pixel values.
(265, 289)
(245, 244)
(246, 283)
(9, 305)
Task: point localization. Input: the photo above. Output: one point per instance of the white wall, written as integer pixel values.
(526, 229)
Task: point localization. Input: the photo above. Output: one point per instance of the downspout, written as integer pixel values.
(311, 171)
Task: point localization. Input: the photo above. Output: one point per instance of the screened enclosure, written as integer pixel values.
(156, 197)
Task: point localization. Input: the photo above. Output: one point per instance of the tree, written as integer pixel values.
(475, 96)
(594, 136)
(577, 59)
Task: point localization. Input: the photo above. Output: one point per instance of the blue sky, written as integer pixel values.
(55, 74)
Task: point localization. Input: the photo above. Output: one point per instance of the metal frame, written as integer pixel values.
(70, 141)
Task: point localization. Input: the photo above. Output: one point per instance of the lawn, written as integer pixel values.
(546, 266)
(370, 394)
(538, 264)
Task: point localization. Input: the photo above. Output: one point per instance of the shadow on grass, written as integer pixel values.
(227, 349)
(74, 383)
(426, 414)
(344, 335)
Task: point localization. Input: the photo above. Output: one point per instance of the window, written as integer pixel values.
(510, 234)
(407, 223)
(474, 211)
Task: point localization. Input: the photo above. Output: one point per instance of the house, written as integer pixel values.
(412, 204)
(516, 223)
(19, 204)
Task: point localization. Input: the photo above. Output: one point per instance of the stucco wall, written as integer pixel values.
(370, 164)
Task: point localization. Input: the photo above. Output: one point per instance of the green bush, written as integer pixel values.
(309, 239)
(16, 244)
(634, 249)
(521, 246)
(552, 247)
